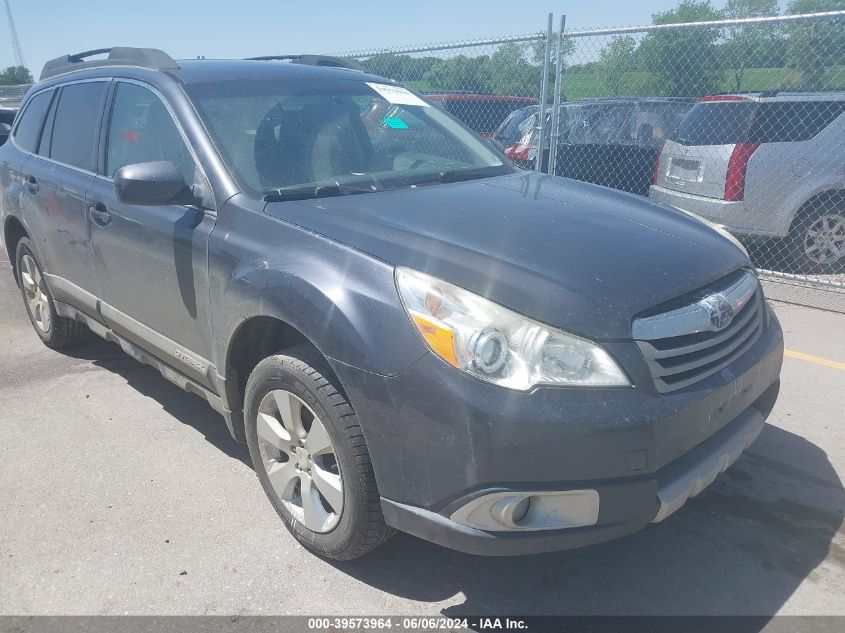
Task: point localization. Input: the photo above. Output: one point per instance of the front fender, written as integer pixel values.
(344, 301)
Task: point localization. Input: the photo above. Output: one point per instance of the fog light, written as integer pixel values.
(509, 511)
(521, 509)
(534, 510)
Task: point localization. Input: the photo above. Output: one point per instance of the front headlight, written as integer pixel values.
(498, 345)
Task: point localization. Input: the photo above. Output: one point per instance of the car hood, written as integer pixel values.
(577, 256)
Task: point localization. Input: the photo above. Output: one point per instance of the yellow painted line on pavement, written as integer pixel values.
(818, 360)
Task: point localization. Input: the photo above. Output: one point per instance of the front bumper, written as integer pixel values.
(648, 501)
(440, 439)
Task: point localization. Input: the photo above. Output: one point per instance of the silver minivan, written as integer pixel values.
(766, 166)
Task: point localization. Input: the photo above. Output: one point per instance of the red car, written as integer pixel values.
(482, 113)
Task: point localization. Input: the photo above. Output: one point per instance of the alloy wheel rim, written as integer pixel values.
(824, 242)
(300, 460)
(36, 296)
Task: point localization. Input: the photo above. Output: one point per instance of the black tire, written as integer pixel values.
(60, 332)
(798, 256)
(303, 372)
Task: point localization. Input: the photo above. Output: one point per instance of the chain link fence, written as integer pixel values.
(11, 96)
(492, 85)
(739, 121)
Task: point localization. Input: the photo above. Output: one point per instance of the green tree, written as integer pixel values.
(814, 46)
(399, 67)
(616, 60)
(470, 74)
(15, 75)
(750, 45)
(570, 52)
(685, 62)
(510, 71)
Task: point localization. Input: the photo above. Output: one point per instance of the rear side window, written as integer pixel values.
(716, 123)
(75, 127)
(793, 121)
(32, 119)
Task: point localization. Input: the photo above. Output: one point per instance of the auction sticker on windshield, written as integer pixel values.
(397, 94)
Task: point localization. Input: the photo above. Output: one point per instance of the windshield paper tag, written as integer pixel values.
(397, 94)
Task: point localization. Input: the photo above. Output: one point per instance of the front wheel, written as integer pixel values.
(311, 457)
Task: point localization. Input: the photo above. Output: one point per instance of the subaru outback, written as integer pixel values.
(408, 332)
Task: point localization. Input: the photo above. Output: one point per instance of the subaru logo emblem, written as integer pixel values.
(719, 309)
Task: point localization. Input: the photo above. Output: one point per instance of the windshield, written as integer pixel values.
(642, 124)
(294, 139)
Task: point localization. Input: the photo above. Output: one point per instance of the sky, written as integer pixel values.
(246, 28)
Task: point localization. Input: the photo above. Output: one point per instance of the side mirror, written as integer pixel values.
(158, 182)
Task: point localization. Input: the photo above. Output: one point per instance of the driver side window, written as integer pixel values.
(141, 130)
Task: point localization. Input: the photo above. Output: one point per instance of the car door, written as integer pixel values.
(151, 261)
(14, 156)
(56, 180)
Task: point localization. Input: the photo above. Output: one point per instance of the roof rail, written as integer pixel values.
(117, 56)
(312, 60)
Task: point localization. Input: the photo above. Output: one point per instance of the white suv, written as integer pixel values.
(766, 165)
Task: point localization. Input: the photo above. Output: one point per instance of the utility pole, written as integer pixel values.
(16, 45)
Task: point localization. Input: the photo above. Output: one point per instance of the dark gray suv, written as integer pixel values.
(407, 331)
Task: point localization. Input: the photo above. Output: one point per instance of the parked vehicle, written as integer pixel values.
(523, 152)
(482, 113)
(614, 142)
(611, 142)
(765, 165)
(406, 334)
(7, 115)
(515, 126)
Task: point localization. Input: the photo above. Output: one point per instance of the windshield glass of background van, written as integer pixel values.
(642, 124)
(716, 123)
(335, 135)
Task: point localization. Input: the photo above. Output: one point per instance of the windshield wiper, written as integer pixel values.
(319, 191)
(455, 175)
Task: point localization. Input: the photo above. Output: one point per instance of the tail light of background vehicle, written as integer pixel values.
(737, 165)
(722, 98)
(518, 152)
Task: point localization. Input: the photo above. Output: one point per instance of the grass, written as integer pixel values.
(582, 85)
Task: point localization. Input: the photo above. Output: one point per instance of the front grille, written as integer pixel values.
(687, 344)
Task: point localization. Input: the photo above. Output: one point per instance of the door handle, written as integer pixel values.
(99, 214)
(31, 185)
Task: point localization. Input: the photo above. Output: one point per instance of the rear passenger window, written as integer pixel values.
(29, 128)
(793, 121)
(75, 128)
(141, 130)
(716, 123)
